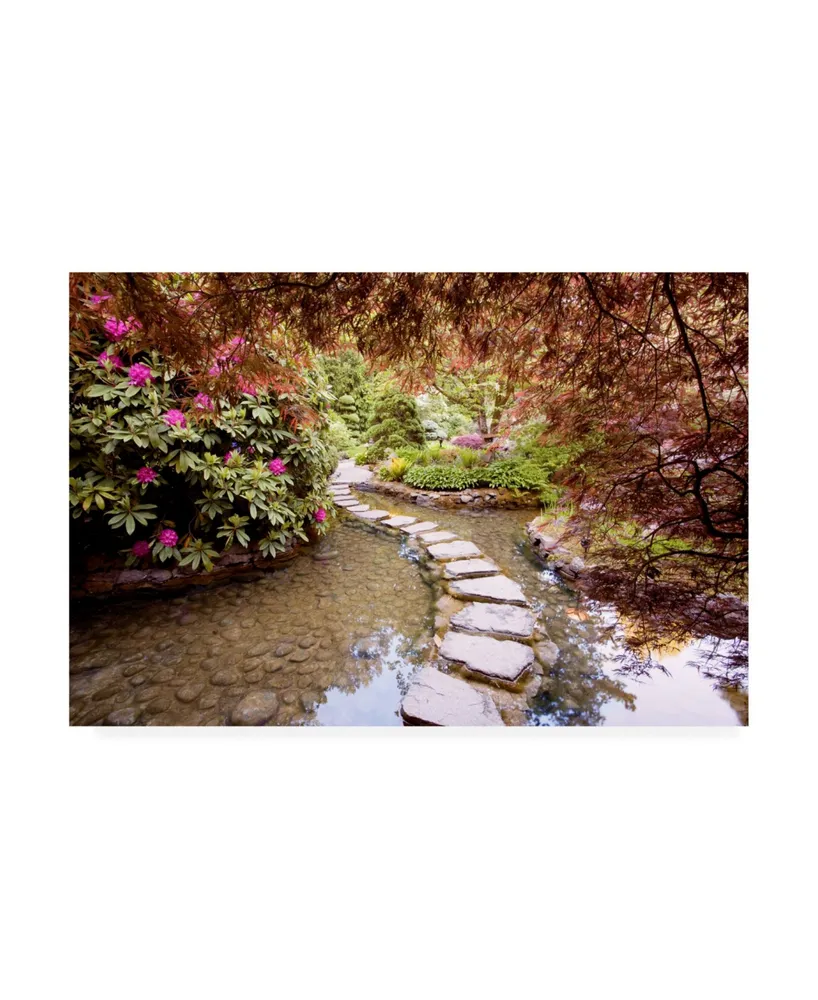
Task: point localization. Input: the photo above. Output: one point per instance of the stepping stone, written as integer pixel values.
(359, 508)
(463, 568)
(399, 521)
(373, 515)
(454, 550)
(500, 619)
(430, 537)
(489, 588)
(437, 699)
(498, 659)
(346, 503)
(414, 529)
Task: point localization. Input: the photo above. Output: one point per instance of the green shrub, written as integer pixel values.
(395, 424)
(339, 436)
(152, 459)
(394, 470)
(440, 477)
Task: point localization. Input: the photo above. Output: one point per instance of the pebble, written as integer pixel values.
(190, 692)
(123, 716)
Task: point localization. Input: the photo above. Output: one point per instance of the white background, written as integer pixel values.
(425, 136)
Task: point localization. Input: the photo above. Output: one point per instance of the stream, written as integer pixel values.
(337, 634)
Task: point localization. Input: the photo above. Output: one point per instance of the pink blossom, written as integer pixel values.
(141, 549)
(168, 537)
(116, 329)
(112, 359)
(214, 370)
(203, 401)
(140, 374)
(277, 467)
(228, 456)
(247, 387)
(96, 299)
(175, 417)
(146, 474)
(320, 515)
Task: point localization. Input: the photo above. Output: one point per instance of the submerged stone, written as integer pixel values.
(499, 659)
(255, 708)
(437, 699)
(415, 529)
(462, 568)
(454, 550)
(489, 588)
(499, 619)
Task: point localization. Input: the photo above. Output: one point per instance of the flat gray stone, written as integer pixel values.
(454, 550)
(399, 521)
(499, 659)
(437, 699)
(371, 515)
(346, 503)
(430, 537)
(489, 588)
(462, 568)
(255, 708)
(505, 620)
(358, 508)
(415, 529)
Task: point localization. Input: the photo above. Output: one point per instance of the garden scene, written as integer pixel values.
(385, 499)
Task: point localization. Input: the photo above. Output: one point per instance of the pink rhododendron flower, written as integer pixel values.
(116, 329)
(228, 456)
(96, 299)
(168, 537)
(175, 417)
(146, 474)
(112, 359)
(203, 401)
(277, 467)
(237, 341)
(141, 549)
(214, 370)
(140, 374)
(320, 515)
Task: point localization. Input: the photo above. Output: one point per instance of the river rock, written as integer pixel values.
(437, 699)
(490, 588)
(462, 568)
(124, 716)
(399, 521)
(453, 550)
(546, 652)
(498, 619)
(499, 659)
(255, 708)
(415, 529)
(190, 692)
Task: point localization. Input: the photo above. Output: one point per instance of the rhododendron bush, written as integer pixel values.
(181, 464)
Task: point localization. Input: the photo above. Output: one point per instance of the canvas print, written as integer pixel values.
(408, 499)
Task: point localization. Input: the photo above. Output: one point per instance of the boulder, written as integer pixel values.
(437, 699)
(489, 588)
(499, 619)
(463, 568)
(497, 659)
(444, 551)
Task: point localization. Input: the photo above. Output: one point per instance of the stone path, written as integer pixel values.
(491, 641)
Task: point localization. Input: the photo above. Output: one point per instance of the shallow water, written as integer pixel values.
(337, 634)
